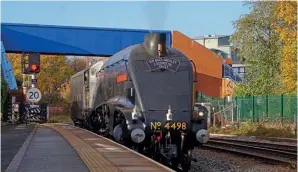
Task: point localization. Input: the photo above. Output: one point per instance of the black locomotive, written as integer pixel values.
(143, 98)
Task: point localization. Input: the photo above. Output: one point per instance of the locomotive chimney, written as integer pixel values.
(155, 44)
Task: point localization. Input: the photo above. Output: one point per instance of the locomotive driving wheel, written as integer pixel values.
(107, 112)
(92, 121)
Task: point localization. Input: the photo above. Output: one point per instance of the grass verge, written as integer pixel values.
(258, 129)
(60, 119)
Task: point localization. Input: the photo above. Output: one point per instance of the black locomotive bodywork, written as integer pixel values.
(143, 97)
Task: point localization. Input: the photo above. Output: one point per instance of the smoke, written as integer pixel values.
(156, 13)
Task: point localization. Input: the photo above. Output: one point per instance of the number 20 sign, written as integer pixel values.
(33, 95)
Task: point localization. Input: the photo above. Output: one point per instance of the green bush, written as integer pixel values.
(258, 129)
(4, 93)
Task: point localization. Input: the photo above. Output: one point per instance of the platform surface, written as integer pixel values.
(12, 139)
(46, 151)
(62, 147)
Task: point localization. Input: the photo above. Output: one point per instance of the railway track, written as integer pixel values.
(272, 139)
(279, 153)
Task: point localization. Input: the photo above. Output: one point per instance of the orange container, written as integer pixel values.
(208, 85)
(208, 64)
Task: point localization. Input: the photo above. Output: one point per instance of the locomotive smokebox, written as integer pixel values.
(155, 44)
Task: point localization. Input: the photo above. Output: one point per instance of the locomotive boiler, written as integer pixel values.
(143, 98)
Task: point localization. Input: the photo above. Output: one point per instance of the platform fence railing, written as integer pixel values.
(277, 108)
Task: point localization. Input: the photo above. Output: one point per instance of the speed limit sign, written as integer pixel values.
(33, 95)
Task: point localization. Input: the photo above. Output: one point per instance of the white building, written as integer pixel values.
(240, 69)
(220, 45)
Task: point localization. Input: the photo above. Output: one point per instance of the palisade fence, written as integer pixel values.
(280, 108)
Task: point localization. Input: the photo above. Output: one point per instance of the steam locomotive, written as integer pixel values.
(143, 98)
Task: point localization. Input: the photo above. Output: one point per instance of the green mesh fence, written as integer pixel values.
(279, 108)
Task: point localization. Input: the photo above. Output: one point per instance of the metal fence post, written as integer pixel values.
(253, 108)
(213, 116)
(282, 107)
(239, 117)
(238, 114)
(267, 106)
(236, 105)
(295, 124)
(232, 112)
(48, 112)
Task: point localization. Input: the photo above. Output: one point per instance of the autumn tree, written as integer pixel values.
(54, 72)
(54, 77)
(77, 64)
(259, 44)
(16, 62)
(4, 92)
(286, 27)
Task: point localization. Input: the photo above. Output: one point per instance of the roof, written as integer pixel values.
(70, 40)
(210, 36)
(80, 27)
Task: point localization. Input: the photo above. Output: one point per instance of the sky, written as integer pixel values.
(193, 18)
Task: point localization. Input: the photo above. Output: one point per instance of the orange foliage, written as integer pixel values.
(286, 13)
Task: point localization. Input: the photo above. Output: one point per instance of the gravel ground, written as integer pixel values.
(216, 161)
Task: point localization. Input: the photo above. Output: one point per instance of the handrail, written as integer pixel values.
(195, 70)
(229, 107)
(228, 72)
(7, 70)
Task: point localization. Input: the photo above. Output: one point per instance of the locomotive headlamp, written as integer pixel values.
(134, 114)
(201, 114)
(202, 136)
(137, 135)
(198, 114)
(169, 115)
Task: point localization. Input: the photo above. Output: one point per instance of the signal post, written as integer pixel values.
(31, 65)
(33, 112)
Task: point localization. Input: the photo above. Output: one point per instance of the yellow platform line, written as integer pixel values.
(90, 156)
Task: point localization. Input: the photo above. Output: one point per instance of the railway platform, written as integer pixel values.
(63, 147)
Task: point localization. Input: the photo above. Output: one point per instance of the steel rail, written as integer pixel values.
(275, 146)
(265, 153)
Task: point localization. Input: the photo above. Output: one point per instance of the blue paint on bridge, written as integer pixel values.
(6, 70)
(49, 39)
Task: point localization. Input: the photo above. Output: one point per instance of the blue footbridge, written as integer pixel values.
(70, 40)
